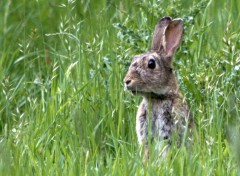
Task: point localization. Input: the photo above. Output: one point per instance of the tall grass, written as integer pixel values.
(62, 105)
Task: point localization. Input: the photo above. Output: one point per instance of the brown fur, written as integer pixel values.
(158, 86)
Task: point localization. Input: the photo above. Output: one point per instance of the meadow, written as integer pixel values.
(63, 109)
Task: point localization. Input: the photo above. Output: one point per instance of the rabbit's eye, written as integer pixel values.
(151, 64)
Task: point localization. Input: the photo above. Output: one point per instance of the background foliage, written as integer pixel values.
(62, 106)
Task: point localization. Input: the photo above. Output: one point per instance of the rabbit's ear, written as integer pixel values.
(157, 42)
(172, 36)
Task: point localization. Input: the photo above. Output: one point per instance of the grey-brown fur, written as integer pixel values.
(151, 75)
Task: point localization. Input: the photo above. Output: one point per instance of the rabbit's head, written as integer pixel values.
(151, 73)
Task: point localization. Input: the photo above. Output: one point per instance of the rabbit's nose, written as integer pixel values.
(127, 81)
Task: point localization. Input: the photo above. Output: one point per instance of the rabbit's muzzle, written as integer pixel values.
(127, 83)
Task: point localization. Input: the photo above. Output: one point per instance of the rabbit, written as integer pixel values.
(151, 75)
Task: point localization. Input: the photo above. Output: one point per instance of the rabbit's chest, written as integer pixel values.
(162, 120)
(159, 121)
